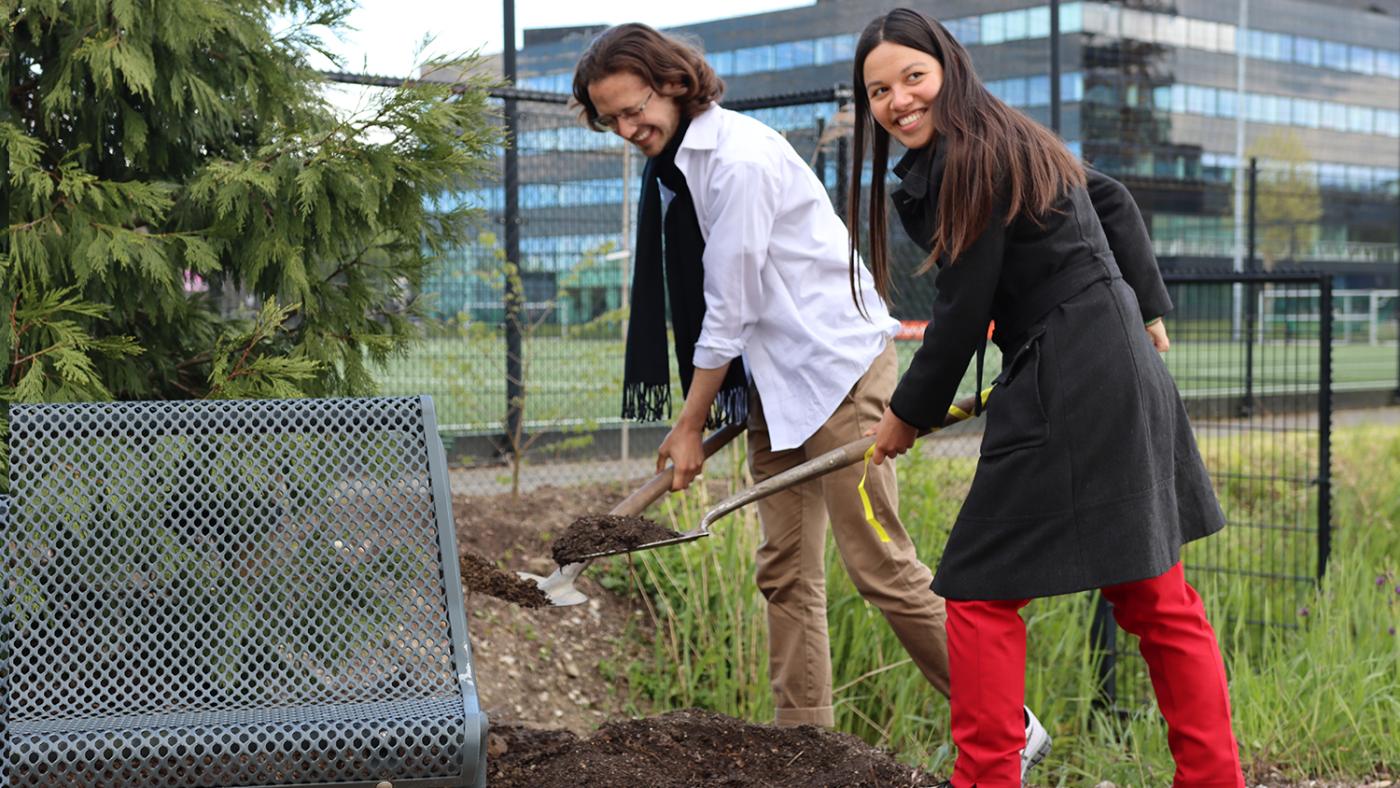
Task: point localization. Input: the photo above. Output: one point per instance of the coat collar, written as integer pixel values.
(920, 169)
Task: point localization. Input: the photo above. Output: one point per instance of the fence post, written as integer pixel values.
(1324, 425)
(514, 298)
(1103, 633)
(1055, 66)
(1251, 296)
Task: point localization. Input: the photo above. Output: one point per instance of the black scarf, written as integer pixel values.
(646, 382)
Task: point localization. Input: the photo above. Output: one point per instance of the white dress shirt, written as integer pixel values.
(777, 282)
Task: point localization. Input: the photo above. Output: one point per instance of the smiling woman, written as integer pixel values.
(901, 84)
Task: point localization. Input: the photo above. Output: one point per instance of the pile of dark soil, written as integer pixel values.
(691, 748)
(480, 575)
(606, 533)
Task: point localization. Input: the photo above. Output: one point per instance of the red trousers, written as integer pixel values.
(987, 666)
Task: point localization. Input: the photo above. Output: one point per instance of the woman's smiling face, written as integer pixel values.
(901, 84)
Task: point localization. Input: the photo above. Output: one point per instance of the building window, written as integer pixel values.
(1137, 25)
(1227, 39)
(1170, 30)
(968, 30)
(844, 48)
(1334, 116)
(1072, 19)
(1196, 100)
(1334, 55)
(1017, 25)
(1388, 122)
(1038, 22)
(722, 63)
(1201, 34)
(792, 54)
(1253, 44)
(1014, 92)
(1162, 98)
(993, 28)
(1254, 107)
(1388, 63)
(1362, 60)
(1307, 51)
(1038, 91)
(1361, 120)
(1226, 103)
(1306, 113)
(753, 59)
(1072, 86)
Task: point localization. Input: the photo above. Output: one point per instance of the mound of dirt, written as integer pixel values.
(689, 748)
(480, 575)
(606, 533)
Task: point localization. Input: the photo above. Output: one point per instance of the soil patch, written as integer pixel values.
(689, 748)
(552, 667)
(479, 574)
(607, 533)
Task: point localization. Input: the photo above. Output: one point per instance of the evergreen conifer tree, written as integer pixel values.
(187, 215)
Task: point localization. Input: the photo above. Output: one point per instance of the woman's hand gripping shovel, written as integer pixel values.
(837, 458)
(560, 585)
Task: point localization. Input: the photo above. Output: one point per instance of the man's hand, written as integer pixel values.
(683, 449)
(893, 436)
(1157, 329)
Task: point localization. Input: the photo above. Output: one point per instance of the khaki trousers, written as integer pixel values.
(791, 568)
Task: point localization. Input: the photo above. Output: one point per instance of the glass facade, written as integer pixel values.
(1149, 93)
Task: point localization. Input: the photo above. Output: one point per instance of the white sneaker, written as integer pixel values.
(1037, 744)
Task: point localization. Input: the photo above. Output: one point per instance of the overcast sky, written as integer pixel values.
(389, 31)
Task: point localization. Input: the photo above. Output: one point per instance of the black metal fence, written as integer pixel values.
(1253, 356)
(524, 350)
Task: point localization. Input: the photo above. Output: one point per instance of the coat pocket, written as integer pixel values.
(1015, 410)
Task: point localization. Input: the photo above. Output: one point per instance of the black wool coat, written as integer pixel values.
(1089, 473)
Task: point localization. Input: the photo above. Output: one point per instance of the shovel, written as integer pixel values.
(560, 585)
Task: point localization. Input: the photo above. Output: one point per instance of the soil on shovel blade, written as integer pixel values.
(690, 748)
(479, 574)
(607, 533)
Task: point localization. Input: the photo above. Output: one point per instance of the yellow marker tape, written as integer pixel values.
(870, 452)
(865, 498)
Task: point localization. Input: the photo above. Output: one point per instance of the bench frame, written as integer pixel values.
(472, 749)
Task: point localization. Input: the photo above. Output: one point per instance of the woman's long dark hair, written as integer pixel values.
(990, 148)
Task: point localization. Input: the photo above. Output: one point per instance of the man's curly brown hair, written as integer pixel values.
(659, 59)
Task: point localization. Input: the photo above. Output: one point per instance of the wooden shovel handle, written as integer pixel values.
(837, 458)
(660, 484)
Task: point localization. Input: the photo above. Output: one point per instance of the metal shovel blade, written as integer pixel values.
(559, 586)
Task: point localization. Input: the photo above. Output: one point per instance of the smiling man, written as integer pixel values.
(741, 235)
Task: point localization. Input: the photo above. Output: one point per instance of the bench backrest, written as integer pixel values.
(243, 558)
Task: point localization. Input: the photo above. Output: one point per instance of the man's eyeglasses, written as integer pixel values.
(609, 122)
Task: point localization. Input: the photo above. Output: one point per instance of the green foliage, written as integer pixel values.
(187, 217)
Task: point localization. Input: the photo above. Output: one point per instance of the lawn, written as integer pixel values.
(577, 382)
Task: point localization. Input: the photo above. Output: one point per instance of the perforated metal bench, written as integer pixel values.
(237, 593)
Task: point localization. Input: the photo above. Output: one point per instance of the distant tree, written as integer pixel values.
(189, 217)
(1290, 205)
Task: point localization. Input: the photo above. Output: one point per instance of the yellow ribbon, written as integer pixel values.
(865, 498)
(954, 411)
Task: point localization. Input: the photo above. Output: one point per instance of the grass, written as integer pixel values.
(1313, 699)
(577, 382)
